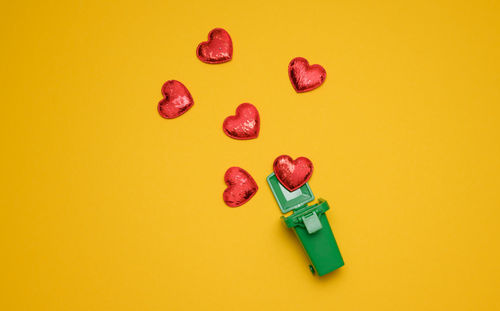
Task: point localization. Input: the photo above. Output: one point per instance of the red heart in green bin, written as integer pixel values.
(292, 174)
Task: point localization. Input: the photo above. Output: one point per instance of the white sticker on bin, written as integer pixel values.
(312, 223)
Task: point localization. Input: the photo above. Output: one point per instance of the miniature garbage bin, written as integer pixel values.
(310, 225)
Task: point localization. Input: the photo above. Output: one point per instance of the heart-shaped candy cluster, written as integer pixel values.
(241, 187)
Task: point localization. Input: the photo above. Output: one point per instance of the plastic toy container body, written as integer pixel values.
(320, 246)
(310, 225)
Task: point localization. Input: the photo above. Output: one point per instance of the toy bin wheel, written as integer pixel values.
(312, 269)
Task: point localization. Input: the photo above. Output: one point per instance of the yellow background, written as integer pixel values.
(107, 206)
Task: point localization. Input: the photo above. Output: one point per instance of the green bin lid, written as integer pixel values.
(289, 200)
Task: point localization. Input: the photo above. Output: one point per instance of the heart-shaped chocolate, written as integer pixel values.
(218, 49)
(176, 100)
(241, 187)
(305, 77)
(292, 174)
(245, 124)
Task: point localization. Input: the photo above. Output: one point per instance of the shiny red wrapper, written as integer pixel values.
(292, 174)
(245, 124)
(305, 77)
(241, 187)
(176, 100)
(218, 49)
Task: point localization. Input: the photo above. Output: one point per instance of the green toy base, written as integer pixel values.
(310, 225)
(320, 246)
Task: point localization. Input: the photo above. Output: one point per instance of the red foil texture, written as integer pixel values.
(218, 49)
(292, 174)
(241, 187)
(305, 77)
(176, 100)
(245, 124)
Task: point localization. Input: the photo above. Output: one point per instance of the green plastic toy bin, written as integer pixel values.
(310, 225)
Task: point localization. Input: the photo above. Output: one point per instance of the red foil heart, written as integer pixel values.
(292, 174)
(245, 124)
(176, 100)
(241, 187)
(218, 49)
(304, 77)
